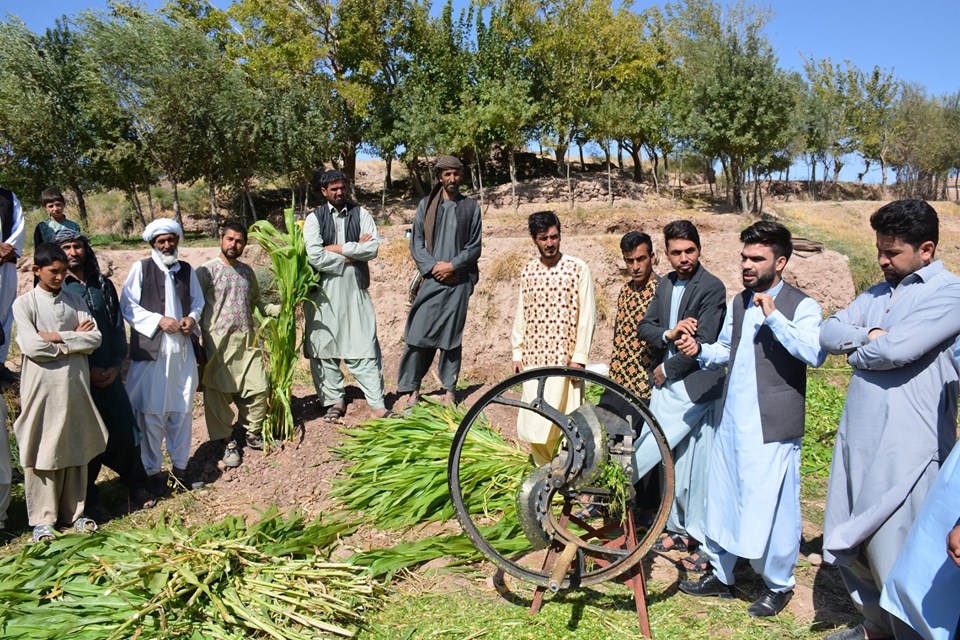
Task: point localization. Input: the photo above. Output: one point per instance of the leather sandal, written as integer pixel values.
(679, 544)
(694, 563)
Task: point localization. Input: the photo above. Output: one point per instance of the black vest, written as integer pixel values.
(781, 378)
(6, 213)
(351, 233)
(153, 298)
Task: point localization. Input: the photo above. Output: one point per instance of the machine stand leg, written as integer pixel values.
(633, 578)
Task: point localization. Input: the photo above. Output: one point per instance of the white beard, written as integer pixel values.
(168, 260)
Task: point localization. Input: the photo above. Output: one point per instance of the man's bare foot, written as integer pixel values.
(449, 398)
(411, 399)
(382, 412)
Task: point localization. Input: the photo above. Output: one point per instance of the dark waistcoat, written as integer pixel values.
(781, 378)
(153, 298)
(6, 213)
(351, 233)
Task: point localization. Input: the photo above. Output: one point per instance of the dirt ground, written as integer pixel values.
(299, 475)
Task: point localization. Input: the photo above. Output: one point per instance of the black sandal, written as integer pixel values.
(697, 561)
(334, 413)
(679, 544)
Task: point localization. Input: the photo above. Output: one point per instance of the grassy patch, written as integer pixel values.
(595, 613)
(842, 227)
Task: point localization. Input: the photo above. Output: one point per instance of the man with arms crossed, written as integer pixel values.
(900, 418)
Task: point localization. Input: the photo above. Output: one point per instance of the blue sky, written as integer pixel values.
(914, 39)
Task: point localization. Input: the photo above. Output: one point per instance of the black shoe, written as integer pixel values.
(770, 603)
(8, 377)
(708, 585)
(857, 633)
(6, 537)
(96, 511)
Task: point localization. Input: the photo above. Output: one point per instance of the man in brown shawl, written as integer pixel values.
(445, 246)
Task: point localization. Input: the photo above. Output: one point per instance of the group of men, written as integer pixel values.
(340, 325)
(726, 379)
(71, 424)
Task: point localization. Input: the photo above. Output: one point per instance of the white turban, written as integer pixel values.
(161, 226)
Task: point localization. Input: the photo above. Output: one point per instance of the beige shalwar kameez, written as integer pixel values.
(59, 430)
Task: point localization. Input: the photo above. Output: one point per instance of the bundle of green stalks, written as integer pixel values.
(294, 279)
(397, 479)
(272, 579)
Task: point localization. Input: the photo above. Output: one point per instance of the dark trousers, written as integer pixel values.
(126, 463)
(416, 361)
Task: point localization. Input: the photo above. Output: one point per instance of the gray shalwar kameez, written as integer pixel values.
(439, 312)
(899, 423)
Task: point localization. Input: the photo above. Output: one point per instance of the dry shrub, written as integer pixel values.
(395, 253)
(506, 266)
(602, 301)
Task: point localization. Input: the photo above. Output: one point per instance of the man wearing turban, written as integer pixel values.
(445, 246)
(106, 385)
(162, 301)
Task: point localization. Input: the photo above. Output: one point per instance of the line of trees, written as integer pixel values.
(272, 89)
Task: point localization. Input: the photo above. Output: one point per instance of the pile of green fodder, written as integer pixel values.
(229, 580)
(397, 479)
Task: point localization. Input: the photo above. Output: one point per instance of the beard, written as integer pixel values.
(167, 259)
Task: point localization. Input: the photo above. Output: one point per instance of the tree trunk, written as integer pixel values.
(837, 164)
(415, 179)
(656, 168)
(760, 195)
(570, 186)
(756, 192)
(388, 177)
(883, 178)
(81, 203)
(513, 181)
(609, 174)
(350, 162)
(583, 165)
(726, 180)
(813, 179)
(246, 192)
(637, 166)
(620, 155)
(739, 193)
(212, 190)
(149, 200)
(137, 206)
(176, 203)
(480, 181)
(560, 153)
(666, 169)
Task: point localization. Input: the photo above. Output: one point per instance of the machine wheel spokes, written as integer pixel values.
(577, 522)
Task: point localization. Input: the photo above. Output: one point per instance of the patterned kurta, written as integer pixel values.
(632, 358)
(234, 361)
(556, 315)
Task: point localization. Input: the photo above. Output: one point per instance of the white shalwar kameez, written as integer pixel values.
(161, 391)
(747, 516)
(8, 277)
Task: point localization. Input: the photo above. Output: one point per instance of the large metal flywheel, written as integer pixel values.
(583, 516)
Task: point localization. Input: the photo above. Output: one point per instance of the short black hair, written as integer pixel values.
(48, 253)
(769, 234)
(911, 221)
(542, 221)
(332, 175)
(681, 230)
(51, 195)
(234, 226)
(633, 239)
